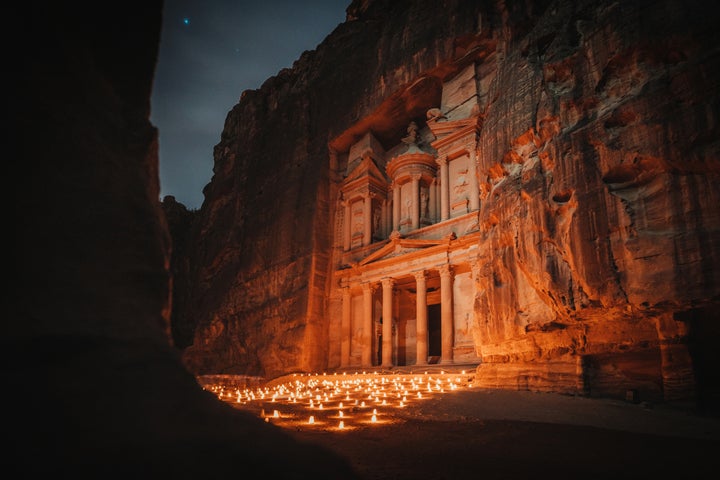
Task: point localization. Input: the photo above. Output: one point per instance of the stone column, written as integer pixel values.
(433, 201)
(387, 344)
(421, 319)
(444, 188)
(367, 220)
(472, 173)
(367, 330)
(446, 322)
(415, 215)
(345, 327)
(387, 214)
(347, 228)
(396, 206)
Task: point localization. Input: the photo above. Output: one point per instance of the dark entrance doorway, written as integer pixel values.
(434, 337)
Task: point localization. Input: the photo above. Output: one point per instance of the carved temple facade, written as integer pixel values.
(406, 235)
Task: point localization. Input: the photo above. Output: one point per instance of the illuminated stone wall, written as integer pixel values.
(597, 250)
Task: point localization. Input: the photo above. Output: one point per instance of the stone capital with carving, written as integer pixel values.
(445, 270)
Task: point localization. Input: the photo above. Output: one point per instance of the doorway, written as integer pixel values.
(434, 333)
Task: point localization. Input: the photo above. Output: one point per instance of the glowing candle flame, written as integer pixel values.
(312, 420)
(342, 425)
(276, 414)
(341, 413)
(374, 419)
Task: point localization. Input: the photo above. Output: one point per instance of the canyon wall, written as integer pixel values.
(598, 267)
(93, 386)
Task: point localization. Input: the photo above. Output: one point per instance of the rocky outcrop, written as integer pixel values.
(181, 222)
(94, 386)
(599, 252)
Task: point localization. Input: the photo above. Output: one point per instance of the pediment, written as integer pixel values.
(401, 246)
(450, 130)
(364, 169)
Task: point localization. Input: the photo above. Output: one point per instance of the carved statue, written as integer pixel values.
(424, 198)
(411, 138)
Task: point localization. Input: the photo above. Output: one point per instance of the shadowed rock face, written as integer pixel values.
(599, 258)
(95, 388)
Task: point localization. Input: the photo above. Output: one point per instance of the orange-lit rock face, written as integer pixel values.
(590, 246)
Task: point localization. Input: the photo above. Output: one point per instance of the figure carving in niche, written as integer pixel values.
(411, 138)
(406, 208)
(376, 220)
(358, 218)
(424, 199)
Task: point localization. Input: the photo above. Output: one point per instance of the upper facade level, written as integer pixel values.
(426, 178)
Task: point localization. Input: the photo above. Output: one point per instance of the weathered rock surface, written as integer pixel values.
(92, 386)
(599, 259)
(181, 222)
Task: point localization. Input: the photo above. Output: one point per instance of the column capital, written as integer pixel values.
(388, 282)
(420, 276)
(376, 195)
(416, 177)
(445, 270)
(441, 160)
(368, 287)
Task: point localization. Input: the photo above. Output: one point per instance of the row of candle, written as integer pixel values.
(346, 396)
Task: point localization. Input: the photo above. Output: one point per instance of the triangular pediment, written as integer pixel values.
(400, 246)
(364, 169)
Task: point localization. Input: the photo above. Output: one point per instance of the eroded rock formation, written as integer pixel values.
(598, 254)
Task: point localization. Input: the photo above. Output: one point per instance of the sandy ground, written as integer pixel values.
(478, 433)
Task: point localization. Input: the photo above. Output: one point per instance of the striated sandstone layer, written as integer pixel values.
(598, 264)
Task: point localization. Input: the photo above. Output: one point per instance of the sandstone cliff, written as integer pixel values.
(599, 259)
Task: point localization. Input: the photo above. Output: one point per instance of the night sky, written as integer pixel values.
(210, 52)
